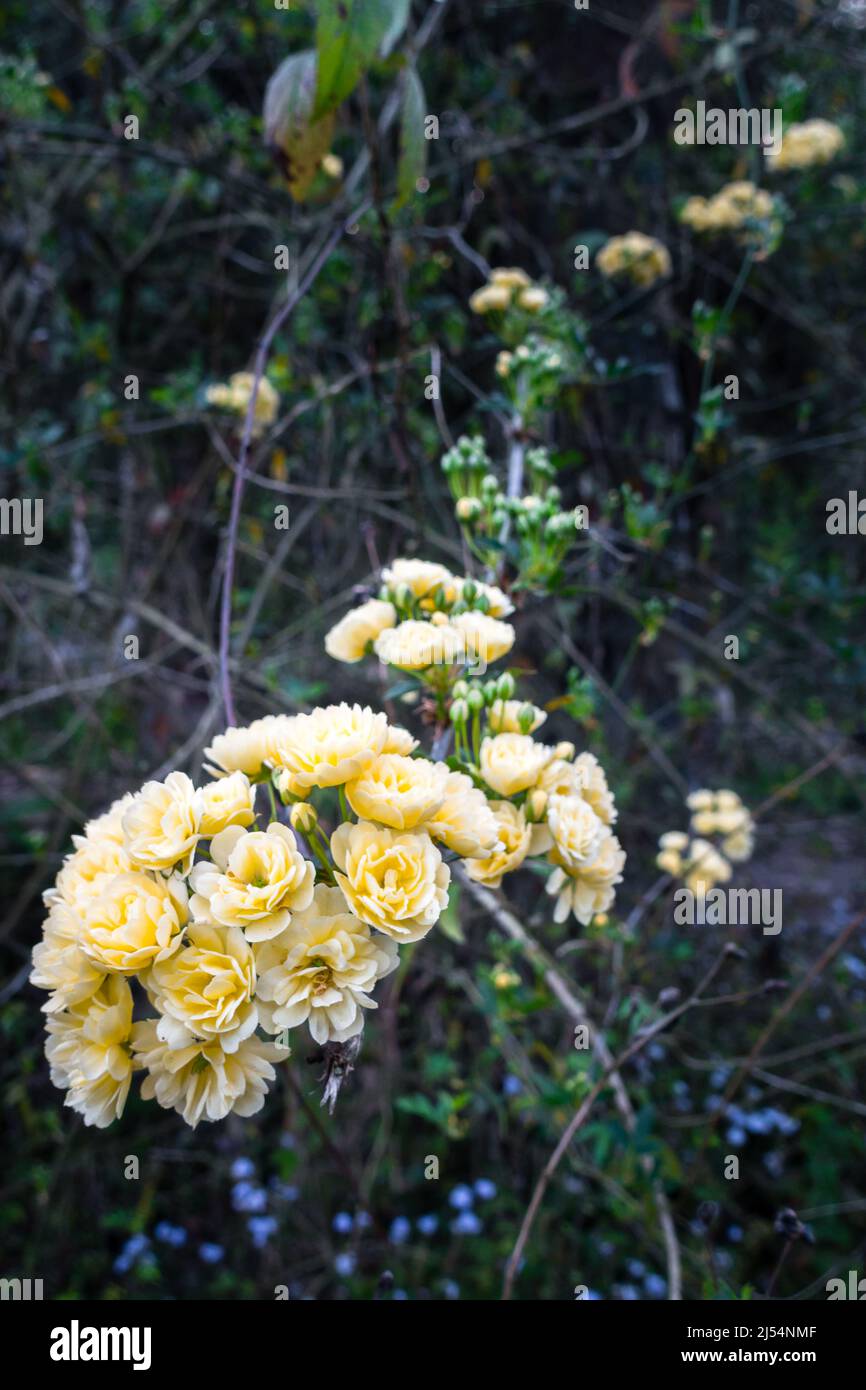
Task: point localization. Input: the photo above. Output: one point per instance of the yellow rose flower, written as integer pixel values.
(229, 801)
(399, 740)
(394, 881)
(512, 762)
(236, 396)
(60, 965)
(483, 639)
(517, 839)
(701, 800)
(415, 645)
(321, 970)
(248, 748)
(577, 832)
(594, 788)
(136, 920)
(533, 299)
(643, 259)
(398, 792)
(589, 889)
(329, 747)
(705, 867)
(206, 989)
(256, 881)
(511, 277)
(559, 778)
(108, 826)
(490, 298)
(349, 638)
(86, 872)
(201, 1081)
(161, 826)
(464, 822)
(504, 717)
(421, 576)
(89, 1055)
(806, 143)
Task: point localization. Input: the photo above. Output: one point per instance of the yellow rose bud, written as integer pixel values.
(536, 804)
(564, 750)
(303, 817)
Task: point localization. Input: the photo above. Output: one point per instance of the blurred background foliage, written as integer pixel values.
(154, 257)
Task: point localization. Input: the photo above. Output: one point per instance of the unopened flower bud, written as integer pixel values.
(526, 718)
(459, 711)
(491, 691)
(505, 686)
(475, 699)
(467, 509)
(565, 751)
(536, 804)
(469, 590)
(303, 817)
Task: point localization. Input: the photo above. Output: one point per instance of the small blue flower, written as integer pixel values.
(400, 1296)
(363, 1221)
(735, 1135)
(450, 1288)
(428, 1225)
(512, 1085)
(243, 1168)
(261, 1228)
(735, 1233)
(247, 1197)
(344, 1264)
(174, 1236)
(485, 1189)
(627, 1292)
(136, 1248)
(400, 1230)
(655, 1285)
(343, 1223)
(461, 1197)
(467, 1224)
(636, 1268)
(211, 1253)
(284, 1191)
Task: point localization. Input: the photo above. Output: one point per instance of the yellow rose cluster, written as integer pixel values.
(807, 143)
(235, 395)
(740, 207)
(702, 863)
(509, 287)
(640, 258)
(533, 799)
(426, 621)
(230, 931)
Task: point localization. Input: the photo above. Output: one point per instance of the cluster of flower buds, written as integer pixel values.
(542, 531)
(466, 465)
(531, 374)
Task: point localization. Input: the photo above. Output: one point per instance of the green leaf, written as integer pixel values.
(290, 127)
(349, 36)
(413, 146)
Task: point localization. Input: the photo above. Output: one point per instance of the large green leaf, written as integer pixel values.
(291, 131)
(413, 146)
(349, 36)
